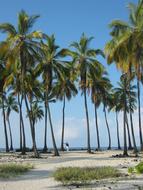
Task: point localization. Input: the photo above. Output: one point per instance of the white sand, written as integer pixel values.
(40, 178)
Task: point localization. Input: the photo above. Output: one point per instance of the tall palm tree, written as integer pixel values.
(106, 98)
(130, 105)
(97, 82)
(64, 89)
(125, 88)
(23, 46)
(11, 105)
(3, 77)
(16, 88)
(33, 93)
(121, 93)
(52, 68)
(125, 47)
(129, 136)
(85, 61)
(2, 106)
(115, 106)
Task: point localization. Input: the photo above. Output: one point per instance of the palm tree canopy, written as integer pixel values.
(125, 47)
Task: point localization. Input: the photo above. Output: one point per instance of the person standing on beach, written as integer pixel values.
(67, 147)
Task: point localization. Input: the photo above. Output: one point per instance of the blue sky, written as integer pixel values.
(68, 19)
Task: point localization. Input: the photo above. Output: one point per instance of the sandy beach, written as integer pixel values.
(40, 178)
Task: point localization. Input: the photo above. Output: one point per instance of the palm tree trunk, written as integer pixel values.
(108, 129)
(63, 125)
(125, 153)
(5, 127)
(139, 113)
(87, 120)
(56, 153)
(45, 133)
(20, 136)
(22, 131)
(11, 141)
(133, 135)
(32, 120)
(118, 138)
(23, 95)
(97, 131)
(129, 137)
(36, 154)
(130, 111)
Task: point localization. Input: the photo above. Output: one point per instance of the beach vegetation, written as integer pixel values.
(137, 169)
(9, 170)
(81, 176)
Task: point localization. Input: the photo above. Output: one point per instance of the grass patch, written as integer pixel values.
(131, 170)
(81, 176)
(13, 170)
(137, 169)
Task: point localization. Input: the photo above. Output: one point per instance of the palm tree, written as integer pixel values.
(16, 87)
(106, 98)
(125, 47)
(64, 89)
(36, 113)
(121, 93)
(129, 136)
(33, 93)
(85, 61)
(130, 105)
(23, 46)
(125, 88)
(97, 81)
(2, 106)
(11, 105)
(115, 106)
(3, 77)
(51, 69)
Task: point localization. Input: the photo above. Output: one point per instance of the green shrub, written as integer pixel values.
(130, 170)
(76, 175)
(12, 169)
(139, 168)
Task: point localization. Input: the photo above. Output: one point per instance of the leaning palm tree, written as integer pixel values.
(126, 49)
(106, 98)
(10, 105)
(84, 59)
